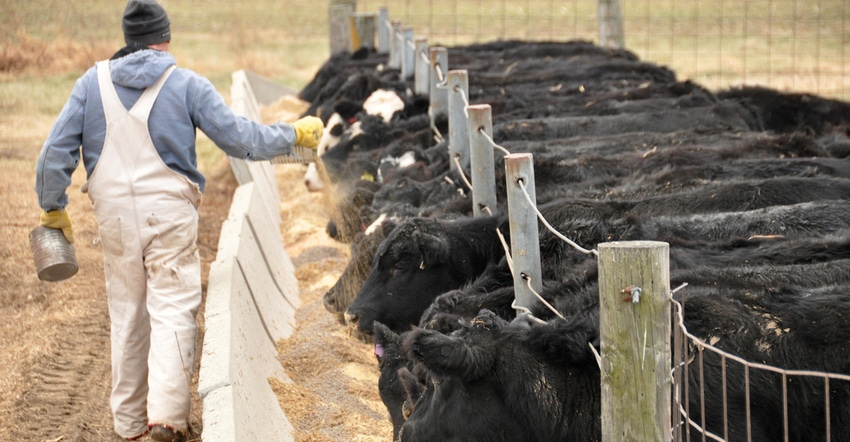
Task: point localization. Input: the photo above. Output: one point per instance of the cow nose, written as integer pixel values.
(351, 319)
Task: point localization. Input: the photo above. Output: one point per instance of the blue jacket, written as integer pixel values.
(187, 101)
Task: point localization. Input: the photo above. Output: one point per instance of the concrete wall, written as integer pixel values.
(251, 301)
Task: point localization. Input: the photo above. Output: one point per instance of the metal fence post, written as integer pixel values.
(482, 167)
(525, 244)
(458, 90)
(634, 317)
(421, 82)
(439, 97)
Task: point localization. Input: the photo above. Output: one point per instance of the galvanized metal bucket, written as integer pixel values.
(54, 255)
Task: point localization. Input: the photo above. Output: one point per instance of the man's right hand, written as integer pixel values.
(308, 132)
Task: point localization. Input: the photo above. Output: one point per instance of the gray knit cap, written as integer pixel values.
(145, 23)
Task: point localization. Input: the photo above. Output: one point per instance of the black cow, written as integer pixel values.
(337, 299)
(493, 381)
(540, 382)
(420, 259)
(451, 254)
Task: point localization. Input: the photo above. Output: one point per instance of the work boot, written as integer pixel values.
(162, 433)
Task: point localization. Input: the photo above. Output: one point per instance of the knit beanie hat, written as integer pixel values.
(145, 23)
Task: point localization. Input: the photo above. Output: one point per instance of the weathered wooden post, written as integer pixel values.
(363, 31)
(525, 244)
(439, 96)
(339, 14)
(458, 90)
(482, 167)
(383, 31)
(407, 53)
(634, 317)
(421, 82)
(610, 16)
(395, 45)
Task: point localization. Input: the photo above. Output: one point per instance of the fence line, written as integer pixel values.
(784, 44)
(440, 81)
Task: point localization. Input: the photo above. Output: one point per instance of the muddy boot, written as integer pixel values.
(161, 433)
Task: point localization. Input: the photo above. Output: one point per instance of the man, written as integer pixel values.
(133, 120)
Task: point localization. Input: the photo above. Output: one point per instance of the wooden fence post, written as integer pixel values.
(458, 89)
(395, 46)
(339, 15)
(482, 167)
(407, 53)
(634, 317)
(525, 244)
(383, 31)
(421, 81)
(439, 96)
(363, 31)
(610, 16)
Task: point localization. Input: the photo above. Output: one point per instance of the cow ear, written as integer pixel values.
(383, 335)
(385, 340)
(433, 249)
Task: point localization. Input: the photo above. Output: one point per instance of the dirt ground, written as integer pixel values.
(55, 335)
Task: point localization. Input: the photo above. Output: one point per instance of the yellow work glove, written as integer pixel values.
(58, 219)
(308, 131)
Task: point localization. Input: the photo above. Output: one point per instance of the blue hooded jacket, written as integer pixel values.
(186, 101)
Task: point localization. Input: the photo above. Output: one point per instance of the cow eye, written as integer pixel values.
(401, 265)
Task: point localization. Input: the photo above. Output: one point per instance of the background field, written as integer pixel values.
(51, 330)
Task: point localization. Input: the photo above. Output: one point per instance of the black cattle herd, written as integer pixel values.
(749, 186)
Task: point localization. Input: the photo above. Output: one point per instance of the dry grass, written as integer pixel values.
(27, 55)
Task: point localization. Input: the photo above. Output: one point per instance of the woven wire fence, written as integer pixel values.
(790, 45)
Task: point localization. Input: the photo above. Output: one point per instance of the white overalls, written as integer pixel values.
(148, 222)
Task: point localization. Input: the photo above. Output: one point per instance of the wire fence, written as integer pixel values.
(785, 44)
(683, 425)
(791, 45)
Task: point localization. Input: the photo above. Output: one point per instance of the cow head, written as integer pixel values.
(411, 268)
